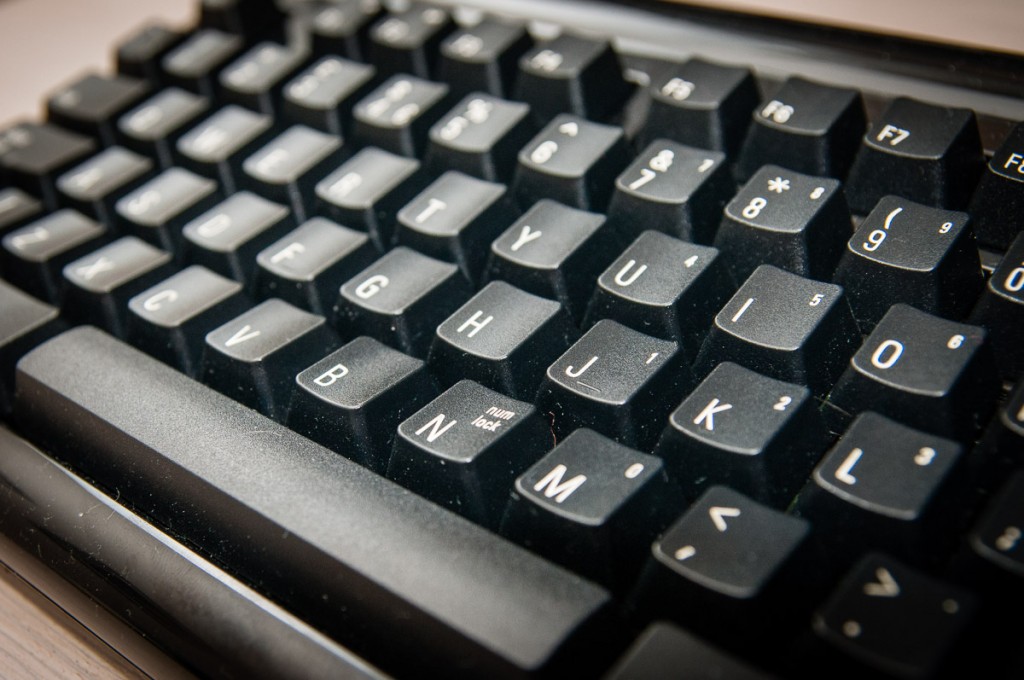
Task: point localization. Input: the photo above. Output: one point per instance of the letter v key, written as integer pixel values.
(243, 334)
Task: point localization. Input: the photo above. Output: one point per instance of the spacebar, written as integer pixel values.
(394, 577)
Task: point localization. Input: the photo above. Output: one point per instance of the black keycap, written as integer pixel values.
(754, 434)
(1000, 193)
(140, 54)
(663, 287)
(307, 266)
(227, 237)
(342, 27)
(573, 161)
(352, 400)
(701, 104)
(738, 563)
(367, 191)
(400, 299)
(217, 147)
(193, 65)
(170, 320)
(255, 357)
(592, 505)
(455, 219)
(666, 651)
(807, 127)
(785, 327)
(464, 450)
(99, 285)
(929, 373)
(503, 338)
(251, 19)
(481, 136)
(34, 255)
(994, 547)
(94, 187)
(1003, 440)
(255, 79)
(408, 41)
(912, 253)
(888, 486)
(25, 323)
(795, 222)
(571, 74)
(617, 381)
(288, 168)
(483, 57)
(554, 251)
(929, 154)
(888, 618)
(154, 127)
(157, 210)
(17, 209)
(274, 494)
(93, 104)
(398, 114)
(322, 96)
(33, 156)
(672, 188)
(1001, 311)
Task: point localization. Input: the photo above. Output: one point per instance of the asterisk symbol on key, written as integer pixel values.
(778, 185)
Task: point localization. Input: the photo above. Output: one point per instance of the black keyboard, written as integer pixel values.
(637, 342)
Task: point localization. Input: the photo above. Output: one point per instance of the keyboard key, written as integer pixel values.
(887, 486)
(701, 104)
(367, 191)
(483, 58)
(993, 561)
(274, 494)
(757, 435)
(170, 320)
(139, 55)
(592, 505)
(255, 79)
(571, 74)
(255, 357)
(1004, 438)
(617, 381)
(25, 323)
(400, 299)
(795, 222)
(307, 266)
(17, 209)
(502, 338)
(886, 617)
(929, 154)
(408, 41)
(929, 373)
(251, 19)
(194, 64)
(554, 251)
(352, 400)
(397, 116)
(455, 219)
(33, 256)
(218, 146)
(481, 136)
(226, 238)
(93, 104)
(1001, 311)
(930, 261)
(94, 187)
(99, 285)
(665, 651)
(785, 327)
(1000, 192)
(154, 127)
(342, 27)
(464, 450)
(672, 188)
(805, 126)
(572, 161)
(157, 210)
(647, 290)
(33, 156)
(323, 95)
(288, 168)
